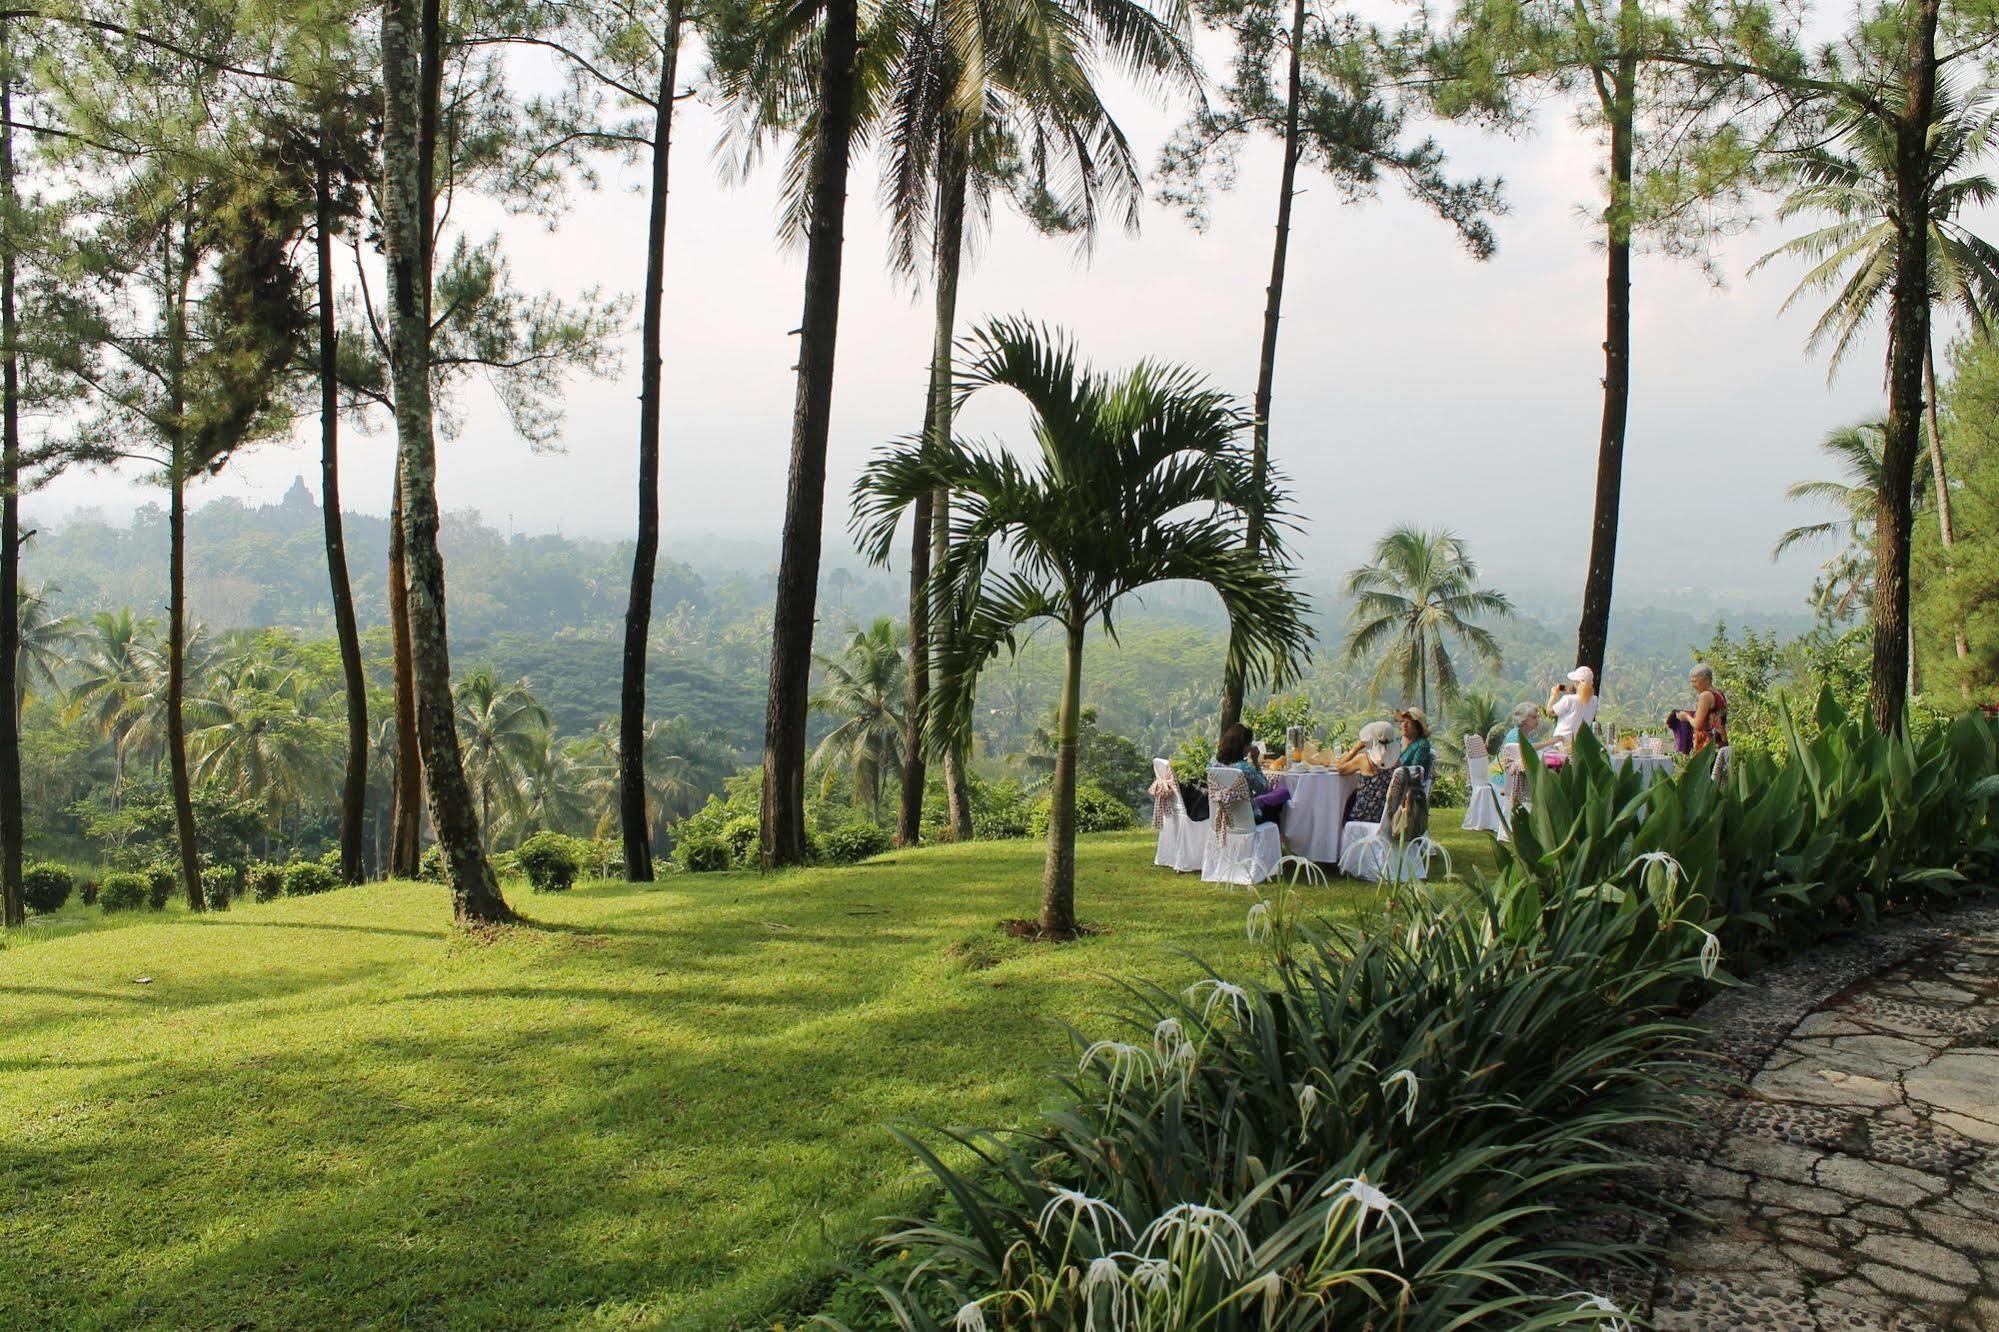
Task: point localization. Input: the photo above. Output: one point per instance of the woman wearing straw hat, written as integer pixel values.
(1416, 749)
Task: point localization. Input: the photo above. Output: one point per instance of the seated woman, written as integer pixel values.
(1524, 722)
(1234, 752)
(1574, 704)
(1368, 754)
(1371, 798)
(1709, 719)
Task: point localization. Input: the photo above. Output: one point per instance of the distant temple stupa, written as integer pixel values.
(298, 497)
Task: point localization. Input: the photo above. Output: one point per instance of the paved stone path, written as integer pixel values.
(1853, 1184)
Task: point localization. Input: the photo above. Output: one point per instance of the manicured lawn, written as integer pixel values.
(659, 1106)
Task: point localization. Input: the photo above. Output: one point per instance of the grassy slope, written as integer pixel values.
(662, 1107)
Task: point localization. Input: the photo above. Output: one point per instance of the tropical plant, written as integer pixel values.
(502, 728)
(864, 691)
(1418, 594)
(1134, 478)
(549, 863)
(1846, 580)
(45, 638)
(262, 743)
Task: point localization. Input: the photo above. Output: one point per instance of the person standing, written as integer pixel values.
(1573, 702)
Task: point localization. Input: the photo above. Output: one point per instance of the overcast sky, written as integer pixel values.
(1413, 383)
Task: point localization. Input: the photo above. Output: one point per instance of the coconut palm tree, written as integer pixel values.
(262, 745)
(1854, 496)
(1852, 257)
(1133, 478)
(1418, 594)
(865, 691)
(500, 727)
(44, 642)
(112, 676)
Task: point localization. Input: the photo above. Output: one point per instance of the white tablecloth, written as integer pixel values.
(1651, 767)
(1316, 813)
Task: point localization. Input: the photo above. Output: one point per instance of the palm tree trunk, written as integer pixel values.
(949, 257)
(1593, 634)
(407, 122)
(915, 766)
(632, 822)
(13, 831)
(1939, 479)
(1058, 878)
(354, 785)
(783, 832)
(1266, 364)
(1908, 336)
(406, 808)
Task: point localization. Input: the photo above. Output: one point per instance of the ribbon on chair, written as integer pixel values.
(1225, 798)
(1163, 791)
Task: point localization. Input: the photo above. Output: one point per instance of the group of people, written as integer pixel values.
(1368, 757)
(1573, 705)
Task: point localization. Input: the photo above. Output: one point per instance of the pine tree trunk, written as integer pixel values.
(1593, 634)
(13, 830)
(177, 774)
(783, 832)
(915, 766)
(1266, 361)
(354, 785)
(949, 253)
(1058, 878)
(634, 825)
(406, 807)
(1908, 337)
(475, 891)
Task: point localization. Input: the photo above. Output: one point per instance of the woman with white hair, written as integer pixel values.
(1520, 728)
(1709, 719)
(1574, 704)
(1368, 754)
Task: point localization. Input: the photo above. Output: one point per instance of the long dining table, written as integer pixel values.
(1317, 812)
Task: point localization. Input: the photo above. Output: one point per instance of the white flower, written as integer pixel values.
(1220, 993)
(1257, 927)
(1102, 1273)
(1710, 951)
(971, 1318)
(1658, 862)
(1084, 1210)
(1127, 1064)
(1190, 1226)
(1410, 1089)
(1372, 1202)
(1614, 1318)
(1151, 1276)
(1302, 867)
(1308, 1105)
(1176, 1053)
(1269, 1288)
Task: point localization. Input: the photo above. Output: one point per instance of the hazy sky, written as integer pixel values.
(1413, 383)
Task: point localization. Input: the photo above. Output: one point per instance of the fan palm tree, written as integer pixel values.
(500, 727)
(1420, 592)
(1853, 257)
(865, 691)
(1133, 479)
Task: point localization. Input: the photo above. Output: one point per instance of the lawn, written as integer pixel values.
(658, 1106)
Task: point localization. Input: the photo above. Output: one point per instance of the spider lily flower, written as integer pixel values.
(1302, 868)
(1308, 1105)
(1176, 1053)
(1104, 1273)
(1710, 950)
(1660, 870)
(1258, 927)
(1613, 1319)
(1083, 1210)
(971, 1318)
(1151, 1276)
(1410, 1089)
(1269, 1288)
(1192, 1226)
(1127, 1064)
(1220, 993)
(1372, 1202)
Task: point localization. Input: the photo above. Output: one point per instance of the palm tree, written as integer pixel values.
(1135, 478)
(262, 745)
(113, 676)
(501, 727)
(1853, 257)
(43, 644)
(1854, 497)
(864, 690)
(1420, 592)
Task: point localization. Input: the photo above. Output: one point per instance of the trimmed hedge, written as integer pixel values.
(46, 886)
(853, 842)
(123, 890)
(266, 881)
(548, 862)
(308, 878)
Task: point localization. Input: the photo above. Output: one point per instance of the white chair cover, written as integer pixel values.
(1181, 838)
(1368, 852)
(1237, 849)
(1484, 813)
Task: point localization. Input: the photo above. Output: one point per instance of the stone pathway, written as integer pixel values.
(1853, 1184)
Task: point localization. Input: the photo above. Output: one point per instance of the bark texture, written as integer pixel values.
(1058, 881)
(354, 784)
(949, 256)
(13, 831)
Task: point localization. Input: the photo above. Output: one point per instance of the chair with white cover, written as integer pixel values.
(1485, 812)
(1181, 838)
(1368, 850)
(1237, 849)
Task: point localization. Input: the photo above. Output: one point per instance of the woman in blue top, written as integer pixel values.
(1416, 749)
(1233, 752)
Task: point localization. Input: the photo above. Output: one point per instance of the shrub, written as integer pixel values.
(741, 835)
(305, 878)
(86, 888)
(851, 842)
(430, 865)
(1097, 810)
(123, 890)
(702, 854)
(45, 886)
(1000, 810)
(1450, 791)
(162, 882)
(549, 862)
(265, 881)
(219, 883)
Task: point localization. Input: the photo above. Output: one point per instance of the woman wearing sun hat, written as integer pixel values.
(1416, 749)
(1574, 704)
(1368, 754)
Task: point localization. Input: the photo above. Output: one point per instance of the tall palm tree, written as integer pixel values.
(44, 641)
(263, 746)
(865, 691)
(500, 727)
(112, 677)
(1854, 497)
(1852, 257)
(684, 765)
(1418, 594)
(1135, 478)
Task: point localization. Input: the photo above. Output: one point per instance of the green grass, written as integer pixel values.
(657, 1106)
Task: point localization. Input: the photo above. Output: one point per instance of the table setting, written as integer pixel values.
(1316, 813)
